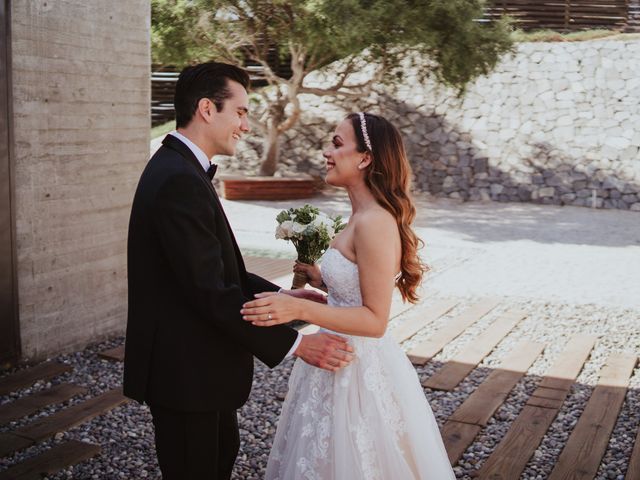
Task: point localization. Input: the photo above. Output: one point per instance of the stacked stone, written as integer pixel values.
(555, 123)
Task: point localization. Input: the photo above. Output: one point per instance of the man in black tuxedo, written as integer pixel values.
(189, 354)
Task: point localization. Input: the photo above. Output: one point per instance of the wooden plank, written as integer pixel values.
(51, 461)
(551, 393)
(64, 420)
(549, 397)
(570, 361)
(586, 446)
(567, 367)
(455, 370)
(463, 426)
(276, 270)
(269, 268)
(562, 384)
(114, 354)
(487, 398)
(633, 471)
(420, 317)
(457, 437)
(29, 376)
(10, 442)
(72, 416)
(236, 187)
(430, 347)
(31, 404)
(513, 452)
(546, 402)
(561, 15)
(256, 263)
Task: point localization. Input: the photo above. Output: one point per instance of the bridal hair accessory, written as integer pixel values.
(363, 127)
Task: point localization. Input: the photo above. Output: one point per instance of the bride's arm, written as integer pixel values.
(377, 246)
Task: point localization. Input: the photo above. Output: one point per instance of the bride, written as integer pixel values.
(369, 420)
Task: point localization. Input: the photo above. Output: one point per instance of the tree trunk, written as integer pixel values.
(271, 152)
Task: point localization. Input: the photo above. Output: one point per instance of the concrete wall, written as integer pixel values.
(81, 127)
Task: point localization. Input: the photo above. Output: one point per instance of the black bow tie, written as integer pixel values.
(212, 170)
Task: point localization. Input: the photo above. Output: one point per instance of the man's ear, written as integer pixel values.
(205, 109)
(366, 161)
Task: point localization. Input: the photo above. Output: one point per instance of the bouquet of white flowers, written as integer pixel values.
(310, 231)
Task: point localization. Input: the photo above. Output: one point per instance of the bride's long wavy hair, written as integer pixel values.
(389, 179)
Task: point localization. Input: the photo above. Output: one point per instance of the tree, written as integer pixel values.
(311, 34)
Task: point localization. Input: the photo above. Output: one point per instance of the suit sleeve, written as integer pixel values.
(258, 284)
(185, 222)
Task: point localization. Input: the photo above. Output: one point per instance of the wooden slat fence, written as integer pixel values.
(633, 17)
(163, 87)
(164, 78)
(563, 15)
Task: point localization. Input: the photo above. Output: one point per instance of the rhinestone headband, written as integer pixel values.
(363, 127)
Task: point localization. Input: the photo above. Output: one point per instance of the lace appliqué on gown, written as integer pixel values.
(369, 420)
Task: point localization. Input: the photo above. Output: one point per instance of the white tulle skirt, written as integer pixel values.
(368, 421)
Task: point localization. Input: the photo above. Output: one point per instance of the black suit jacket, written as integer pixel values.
(187, 347)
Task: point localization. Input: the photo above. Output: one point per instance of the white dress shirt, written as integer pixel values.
(205, 162)
(196, 150)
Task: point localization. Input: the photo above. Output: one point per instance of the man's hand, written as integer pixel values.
(324, 350)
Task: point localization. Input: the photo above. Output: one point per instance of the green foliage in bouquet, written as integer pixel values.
(310, 231)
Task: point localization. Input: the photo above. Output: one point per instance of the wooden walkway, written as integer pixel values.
(63, 454)
(586, 446)
(580, 456)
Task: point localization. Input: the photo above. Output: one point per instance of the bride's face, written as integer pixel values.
(343, 158)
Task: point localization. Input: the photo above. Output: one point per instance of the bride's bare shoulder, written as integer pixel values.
(376, 222)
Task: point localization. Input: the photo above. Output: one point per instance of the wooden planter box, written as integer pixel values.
(238, 187)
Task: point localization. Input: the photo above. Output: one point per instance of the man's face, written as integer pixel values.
(229, 124)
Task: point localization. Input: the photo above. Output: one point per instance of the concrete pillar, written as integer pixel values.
(81, 138)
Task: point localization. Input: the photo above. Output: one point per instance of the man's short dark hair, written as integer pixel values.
(205, 80)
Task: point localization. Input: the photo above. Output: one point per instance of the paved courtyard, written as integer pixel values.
(544, 252)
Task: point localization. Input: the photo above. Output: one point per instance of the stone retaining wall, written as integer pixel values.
(555, 123)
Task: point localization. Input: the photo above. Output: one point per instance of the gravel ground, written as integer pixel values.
(126, 434)
(572, 270)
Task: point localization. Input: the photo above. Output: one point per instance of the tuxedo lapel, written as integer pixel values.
(233, 238)
(175, 144)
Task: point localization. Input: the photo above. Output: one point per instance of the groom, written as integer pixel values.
(189, 354)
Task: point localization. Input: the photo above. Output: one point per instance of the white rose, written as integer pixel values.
(287, 228)
(298, 227)
(322, 220)
(280, 234)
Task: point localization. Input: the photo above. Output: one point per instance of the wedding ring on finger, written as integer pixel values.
(269, 316)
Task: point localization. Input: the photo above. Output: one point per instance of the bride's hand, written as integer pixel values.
(306, 295)
(270, 309)
(312, 272)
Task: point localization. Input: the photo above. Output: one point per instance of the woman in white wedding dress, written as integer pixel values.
(369, 420)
